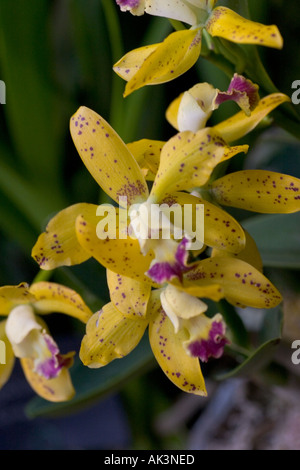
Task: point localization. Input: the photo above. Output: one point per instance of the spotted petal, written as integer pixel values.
(166, 61)
(10, 296)
(110, 335)
(188, 159)
(249, 253)
(107, 157)
(53, 297)
(258, 190)
(147, 154)
(221, 230)
(57, 389)
(129, 296)
(58, 245)
(237, 126)
(240, 282)
(123, 256)
(227, 24)
(184, 371)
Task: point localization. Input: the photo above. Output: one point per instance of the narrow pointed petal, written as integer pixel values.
(107, 157)
(188, 159)
(170, 59)
(227, 24)
(51, 297)
(184, 371)
(7, 358)
(129, 296)
(221, 230)
(249, 253)
(147, 154)
(58, 389)
(259, 191)
(131, 62)
(10, 296)
(58, 245)
(110, 335)
(239, 125)
(241, 283)
(123, 256)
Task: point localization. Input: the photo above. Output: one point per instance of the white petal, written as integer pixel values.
(21, 322)
(175, 9)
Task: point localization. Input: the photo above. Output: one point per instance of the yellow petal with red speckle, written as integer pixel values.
(237, 126)
(129, 296)
(168, 60)
(184, 371)
(52, 297)
(259, 191)
(107, 157)
(110, 335)
(188, 159)
(58, 245)
(240, 282)
(227, 24)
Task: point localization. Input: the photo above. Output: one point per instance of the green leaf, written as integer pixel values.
(258, 359)
(32, 110)
(91, 385)
(277, 238)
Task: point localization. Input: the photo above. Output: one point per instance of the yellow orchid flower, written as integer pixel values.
(165, 61)
(179, 332)
(77, 233)
(26, 336)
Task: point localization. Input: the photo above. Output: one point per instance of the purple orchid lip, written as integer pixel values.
(211, 347)
(50, 367)
(242, 91)
(165, 271)
(128, 3)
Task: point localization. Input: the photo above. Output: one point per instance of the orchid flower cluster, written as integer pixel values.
(158, 283)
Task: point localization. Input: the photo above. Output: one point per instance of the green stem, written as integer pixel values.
(177, 25)
(42, 276)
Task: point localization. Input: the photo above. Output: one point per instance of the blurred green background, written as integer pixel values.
(56, 55)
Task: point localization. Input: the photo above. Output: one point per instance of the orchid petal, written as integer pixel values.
(176, 9)
(242, 91)
(122, 256)
(107, 157)
(147, 154)
(10, 296)
(57, 389)
(129, 296)
(258, 190)
(249, 253)
(52, 297)
(184, 371)
(110, 335)
(241, 283)
(167, 61)
(6, 353)
(136, 7)
(188, 159)
(58, 245)
(221, 230)
(227, 24)
(131, 62)
(239, 125)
